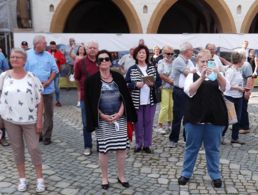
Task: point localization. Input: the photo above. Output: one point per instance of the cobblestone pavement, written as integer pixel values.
(67, 171)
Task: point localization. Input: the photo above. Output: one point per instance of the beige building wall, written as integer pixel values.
(43, 20)
(41, 15)
(233, 5)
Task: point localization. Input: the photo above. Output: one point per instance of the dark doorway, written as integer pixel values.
(96, 16)
(188, 16)
(254, 25)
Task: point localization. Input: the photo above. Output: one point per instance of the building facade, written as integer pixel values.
(144, 16)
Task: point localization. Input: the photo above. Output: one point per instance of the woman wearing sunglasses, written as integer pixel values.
(205, 118)
(164, 69)
(109, 107)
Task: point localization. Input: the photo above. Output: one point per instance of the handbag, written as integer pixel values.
(130, 128)
(158, 94)
(232, 116)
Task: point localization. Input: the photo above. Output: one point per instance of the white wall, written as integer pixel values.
(41, 15)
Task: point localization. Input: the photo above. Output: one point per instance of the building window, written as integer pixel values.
(239, 9)
(145, 9)
(51, 8)
(24, 14)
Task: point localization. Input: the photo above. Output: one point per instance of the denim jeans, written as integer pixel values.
(210, 136)
(86, 135)
(57, 89)
(235, 127)
(180, 99)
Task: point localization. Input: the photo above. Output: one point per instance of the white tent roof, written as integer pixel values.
(122, 42)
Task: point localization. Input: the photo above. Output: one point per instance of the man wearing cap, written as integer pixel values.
(24, 45)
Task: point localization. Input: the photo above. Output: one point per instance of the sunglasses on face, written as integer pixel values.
(169, 54)
(107, 59)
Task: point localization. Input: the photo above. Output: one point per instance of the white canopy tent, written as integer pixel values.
(122, 42)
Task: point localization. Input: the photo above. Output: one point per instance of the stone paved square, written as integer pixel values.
(67, 171)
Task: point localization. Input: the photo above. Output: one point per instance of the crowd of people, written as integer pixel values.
(193, 93)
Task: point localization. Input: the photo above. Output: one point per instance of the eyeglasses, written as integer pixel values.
(107, 59)
(204, 61)
(16, 57)
(169, 54)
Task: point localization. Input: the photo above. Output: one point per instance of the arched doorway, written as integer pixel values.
(254, 25)
(250, 22)
(187, 16)
(95, 16)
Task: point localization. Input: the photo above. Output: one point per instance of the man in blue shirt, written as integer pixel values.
(43, 65)
(3, 62)
(3, 67)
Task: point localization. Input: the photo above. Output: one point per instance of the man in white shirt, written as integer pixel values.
(212, 48)
(245, 48)
(126, 62)
(179, 67)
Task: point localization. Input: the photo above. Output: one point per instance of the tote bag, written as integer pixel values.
(232, 117)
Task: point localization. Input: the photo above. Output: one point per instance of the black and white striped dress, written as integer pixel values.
(108, 136)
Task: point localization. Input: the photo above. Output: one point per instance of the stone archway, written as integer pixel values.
(65, 7)
(250, 16)
(220, 9)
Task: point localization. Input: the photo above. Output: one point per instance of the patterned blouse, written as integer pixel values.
(110, 99)
(20, 98)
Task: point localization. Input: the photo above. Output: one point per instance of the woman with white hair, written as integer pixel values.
(235, 92)
(164, 70)
(156, 56)
(21, 108)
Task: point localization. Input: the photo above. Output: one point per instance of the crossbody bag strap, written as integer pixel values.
(7, 73)
(84, 67)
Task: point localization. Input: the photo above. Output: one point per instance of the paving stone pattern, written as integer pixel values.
(68, 172)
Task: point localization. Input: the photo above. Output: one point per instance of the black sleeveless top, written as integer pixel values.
(207, 105)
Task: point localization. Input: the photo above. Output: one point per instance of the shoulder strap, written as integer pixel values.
(7, 73)
(84, 67)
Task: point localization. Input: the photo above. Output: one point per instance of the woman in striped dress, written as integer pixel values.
(109, 107)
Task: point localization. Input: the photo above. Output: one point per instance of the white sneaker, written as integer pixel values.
(161, 130)
(22, 186)
(78, 104)
(40, 187)
(87, 152)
